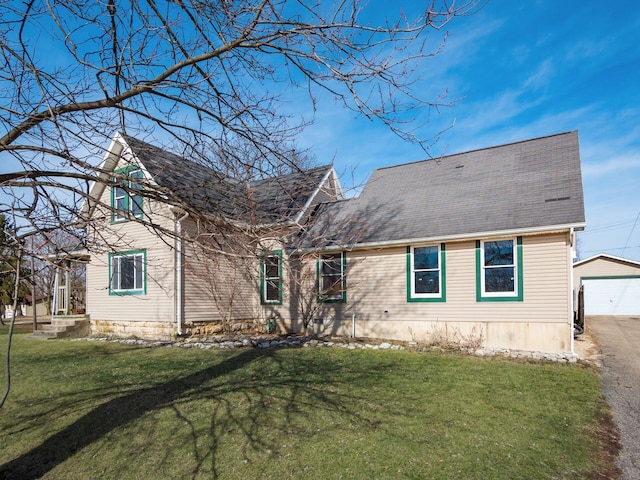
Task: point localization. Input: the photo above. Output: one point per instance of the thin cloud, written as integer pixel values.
(614, 165)
(542, 76)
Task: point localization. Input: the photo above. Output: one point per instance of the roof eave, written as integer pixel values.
(114, 153)
(331, 171)
(96, 188)
(606, 256)
(456, 237)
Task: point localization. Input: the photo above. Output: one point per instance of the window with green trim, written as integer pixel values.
(126, 201)
(271, 278)
(499, 270)
(127, 273)
(331, 279)
(426, 273)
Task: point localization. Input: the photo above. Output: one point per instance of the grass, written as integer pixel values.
(81, 410)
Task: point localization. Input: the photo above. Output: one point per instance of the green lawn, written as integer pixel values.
(87, 410)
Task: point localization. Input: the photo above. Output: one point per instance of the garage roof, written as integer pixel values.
(611, 258)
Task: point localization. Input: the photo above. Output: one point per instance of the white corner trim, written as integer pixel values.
(316, 191)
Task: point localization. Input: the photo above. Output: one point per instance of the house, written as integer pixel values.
(472, 248)
(188, 263)
(40, 305)
(25, 307)
(611, 285)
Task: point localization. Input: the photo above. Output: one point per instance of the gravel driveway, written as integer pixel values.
(619, 339)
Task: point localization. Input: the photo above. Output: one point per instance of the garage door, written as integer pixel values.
(612, 296)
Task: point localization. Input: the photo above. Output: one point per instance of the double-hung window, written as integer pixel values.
(331, 278)
(126, 199)
(127, 273)
(499, 270)
(271, 278)
(426, 273)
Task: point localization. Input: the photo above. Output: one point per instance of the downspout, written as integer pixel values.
(572, 242)
(353, 326)
(178, 273)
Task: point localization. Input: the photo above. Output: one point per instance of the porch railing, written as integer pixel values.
(62, 307)
(72, 303)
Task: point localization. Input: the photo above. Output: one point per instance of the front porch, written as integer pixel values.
(69, 291)
(69, 318)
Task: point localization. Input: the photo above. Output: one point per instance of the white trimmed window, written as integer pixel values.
(127, 273)
(331, 279)
(499, 269)
(426, 273)
(271, 278)
(126, 200)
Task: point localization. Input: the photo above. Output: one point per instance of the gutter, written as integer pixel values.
(459, 237)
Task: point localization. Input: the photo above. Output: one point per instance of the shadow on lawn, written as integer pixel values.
(109, 416)
(120, 411)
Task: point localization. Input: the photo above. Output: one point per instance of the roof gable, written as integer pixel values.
(289, 196)
(201, 189)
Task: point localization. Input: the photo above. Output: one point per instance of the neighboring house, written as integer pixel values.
(611, 285)
(25, 308)
(41, 305)
(472, 248)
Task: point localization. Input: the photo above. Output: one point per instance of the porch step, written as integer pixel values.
(67, 326)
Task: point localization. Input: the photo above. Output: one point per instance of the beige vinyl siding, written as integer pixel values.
(602, 267)
(377, 296)
(146, 315)
(219, 287)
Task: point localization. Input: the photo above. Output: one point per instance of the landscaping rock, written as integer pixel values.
(294, 341)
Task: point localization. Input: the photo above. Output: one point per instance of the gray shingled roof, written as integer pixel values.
(525, 185)
(202, 189)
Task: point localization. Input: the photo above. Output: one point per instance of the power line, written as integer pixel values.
(631, 232)
(608, 226)
(609, 249)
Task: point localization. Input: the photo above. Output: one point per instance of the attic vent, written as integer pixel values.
(558, 199)
(459, 166)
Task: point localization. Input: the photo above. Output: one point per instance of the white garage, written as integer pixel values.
(611, 285)
(612, 296)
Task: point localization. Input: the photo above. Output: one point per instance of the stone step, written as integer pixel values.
(64, 327)
(56, 328)
(65, 322)
(43, 335)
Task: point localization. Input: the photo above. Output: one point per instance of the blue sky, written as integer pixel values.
(523, 70)
(519, 70)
